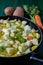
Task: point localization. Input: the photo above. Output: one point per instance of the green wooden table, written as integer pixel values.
(15, 3)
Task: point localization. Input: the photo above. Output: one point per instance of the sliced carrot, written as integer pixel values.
(29, 38)
(38, 21)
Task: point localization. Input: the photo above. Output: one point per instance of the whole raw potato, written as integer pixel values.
(9, 11)
(18, 12)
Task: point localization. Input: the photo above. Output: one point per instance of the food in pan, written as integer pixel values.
(17, 38)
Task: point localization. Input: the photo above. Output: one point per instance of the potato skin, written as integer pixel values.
(18, 12)
(9, 11)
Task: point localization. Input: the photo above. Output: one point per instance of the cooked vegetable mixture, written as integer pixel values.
(17, 38)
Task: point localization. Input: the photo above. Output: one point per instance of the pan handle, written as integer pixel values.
(37, 57)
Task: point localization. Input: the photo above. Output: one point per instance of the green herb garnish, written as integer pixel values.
(31, 11)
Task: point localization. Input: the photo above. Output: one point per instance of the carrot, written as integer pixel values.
(29, 38)
(38, 21)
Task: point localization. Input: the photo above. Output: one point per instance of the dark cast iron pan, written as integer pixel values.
(26, 57)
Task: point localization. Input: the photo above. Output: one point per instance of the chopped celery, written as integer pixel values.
(33, 47)
(22, 40)
(2, 48)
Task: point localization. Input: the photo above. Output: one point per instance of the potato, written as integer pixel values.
(9, 11)
(18, 12)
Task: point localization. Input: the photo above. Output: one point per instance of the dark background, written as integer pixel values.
(15, 3)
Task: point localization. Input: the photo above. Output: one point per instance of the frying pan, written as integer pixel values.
(28, 56)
